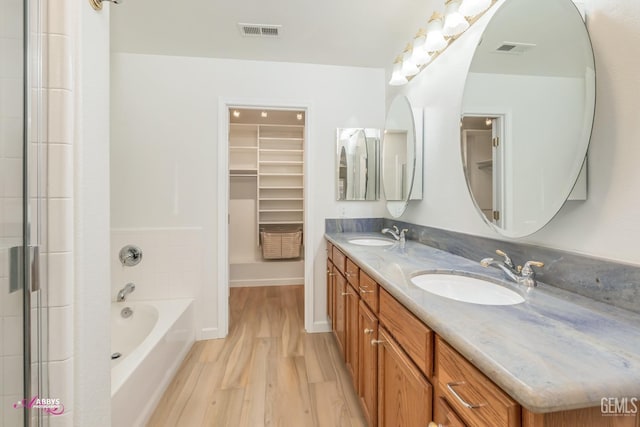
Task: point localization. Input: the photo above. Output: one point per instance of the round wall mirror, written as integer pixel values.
(527, 113)
(398, 155)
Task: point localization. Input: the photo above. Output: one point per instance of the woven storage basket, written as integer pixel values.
(281, 245)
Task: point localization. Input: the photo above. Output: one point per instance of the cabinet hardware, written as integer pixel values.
(368, 331)
(365, 291)
(331, 274)
(466, 404)
(346, 294)
(376, 342)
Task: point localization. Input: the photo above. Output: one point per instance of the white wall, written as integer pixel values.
(606, 225)
(164, 128)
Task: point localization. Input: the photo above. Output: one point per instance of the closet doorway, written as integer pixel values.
(266, 198)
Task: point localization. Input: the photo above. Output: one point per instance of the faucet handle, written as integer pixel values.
(395, 227)
(528, 271)
(507, 259)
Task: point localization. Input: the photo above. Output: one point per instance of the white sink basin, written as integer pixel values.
(371, 242)
(466, 289)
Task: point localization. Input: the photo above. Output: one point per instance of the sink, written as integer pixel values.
(371, 242)
(466, 289)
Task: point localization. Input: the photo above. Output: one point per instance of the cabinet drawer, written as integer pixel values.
(368, 289)
(412, 335)
(477, 400)
(444, 416)
(339, 260)
(352, 273)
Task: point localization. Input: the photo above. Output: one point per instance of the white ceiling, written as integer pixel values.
(366, 33)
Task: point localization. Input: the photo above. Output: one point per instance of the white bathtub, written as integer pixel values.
(153, 343)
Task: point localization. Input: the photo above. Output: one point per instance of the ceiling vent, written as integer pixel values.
(259, 30)
(514, 48)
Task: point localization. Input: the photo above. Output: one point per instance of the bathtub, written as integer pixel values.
(152, 343)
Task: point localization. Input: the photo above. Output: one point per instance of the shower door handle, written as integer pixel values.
(17, 270)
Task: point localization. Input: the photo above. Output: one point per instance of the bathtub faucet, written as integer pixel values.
(122, 294)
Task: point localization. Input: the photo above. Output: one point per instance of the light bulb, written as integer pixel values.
(409, 68)
(419, 55)
(454, 22)
(474, 7)
(435, 41)
(397, 78)
(236, 113)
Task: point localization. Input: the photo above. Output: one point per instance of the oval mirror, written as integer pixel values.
(398, 155)
(527, 113)
(357, 160)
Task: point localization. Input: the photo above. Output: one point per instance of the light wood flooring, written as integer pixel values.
(267, 372)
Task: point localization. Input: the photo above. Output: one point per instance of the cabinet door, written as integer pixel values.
(330, 291)
(368, 364)
(404, 394)
(351, 349)
(339, 328)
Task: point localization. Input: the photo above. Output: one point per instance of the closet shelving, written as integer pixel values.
(280, 176)
(273, 154)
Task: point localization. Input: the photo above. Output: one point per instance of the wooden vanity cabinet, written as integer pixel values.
(330, 291)
(340, 311)
(443, 415)
(368, 363)
(404, 394)
(352, 302)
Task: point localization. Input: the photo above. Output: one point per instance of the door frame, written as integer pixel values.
(224, 103)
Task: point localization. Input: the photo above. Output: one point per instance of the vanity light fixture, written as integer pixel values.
(435, 40)
(236, 113)
(474, 7)
(409, 68)
(299, 116)
(454, 22)
(440, 32)
(263, 114)
(397, 78)
(488, 121)
(419, 54)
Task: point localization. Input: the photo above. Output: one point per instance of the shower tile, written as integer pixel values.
(60, 225)
(60, 15)
(60, 336)
(12, 335)
(61, 381)
(60, 62)
(60, 279)
(11, 417)
(60, 122)
(64, 420)
(11, 303)
(61, 170)
(12, 374)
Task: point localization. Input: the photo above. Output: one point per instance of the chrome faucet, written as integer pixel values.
(397, 234)
(523, 275)
(122, 294)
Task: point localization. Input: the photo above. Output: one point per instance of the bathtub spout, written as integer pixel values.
(122, 294)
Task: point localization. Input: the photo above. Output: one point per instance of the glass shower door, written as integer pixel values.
(20, 300)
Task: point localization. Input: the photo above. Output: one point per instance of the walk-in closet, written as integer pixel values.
(266, 197)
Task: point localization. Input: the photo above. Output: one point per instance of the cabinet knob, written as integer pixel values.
(376, 342)
(433, 424)
(368, 331)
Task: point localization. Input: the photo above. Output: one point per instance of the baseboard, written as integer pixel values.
(320, 326)
(266, 282)
(208, 334)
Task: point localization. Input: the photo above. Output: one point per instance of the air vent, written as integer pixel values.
(259, 30)
(514, 48)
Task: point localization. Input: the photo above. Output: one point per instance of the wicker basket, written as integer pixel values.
(281, 245)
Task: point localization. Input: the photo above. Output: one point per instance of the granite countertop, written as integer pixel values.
(556, 351)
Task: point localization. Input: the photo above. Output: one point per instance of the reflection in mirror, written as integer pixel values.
(357, 161)
(401, 151)
(527, 113)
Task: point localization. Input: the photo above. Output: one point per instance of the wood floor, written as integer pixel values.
(267, 372)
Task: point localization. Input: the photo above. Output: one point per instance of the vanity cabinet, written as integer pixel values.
(404, 394)
(368, 363)
(406, 375)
